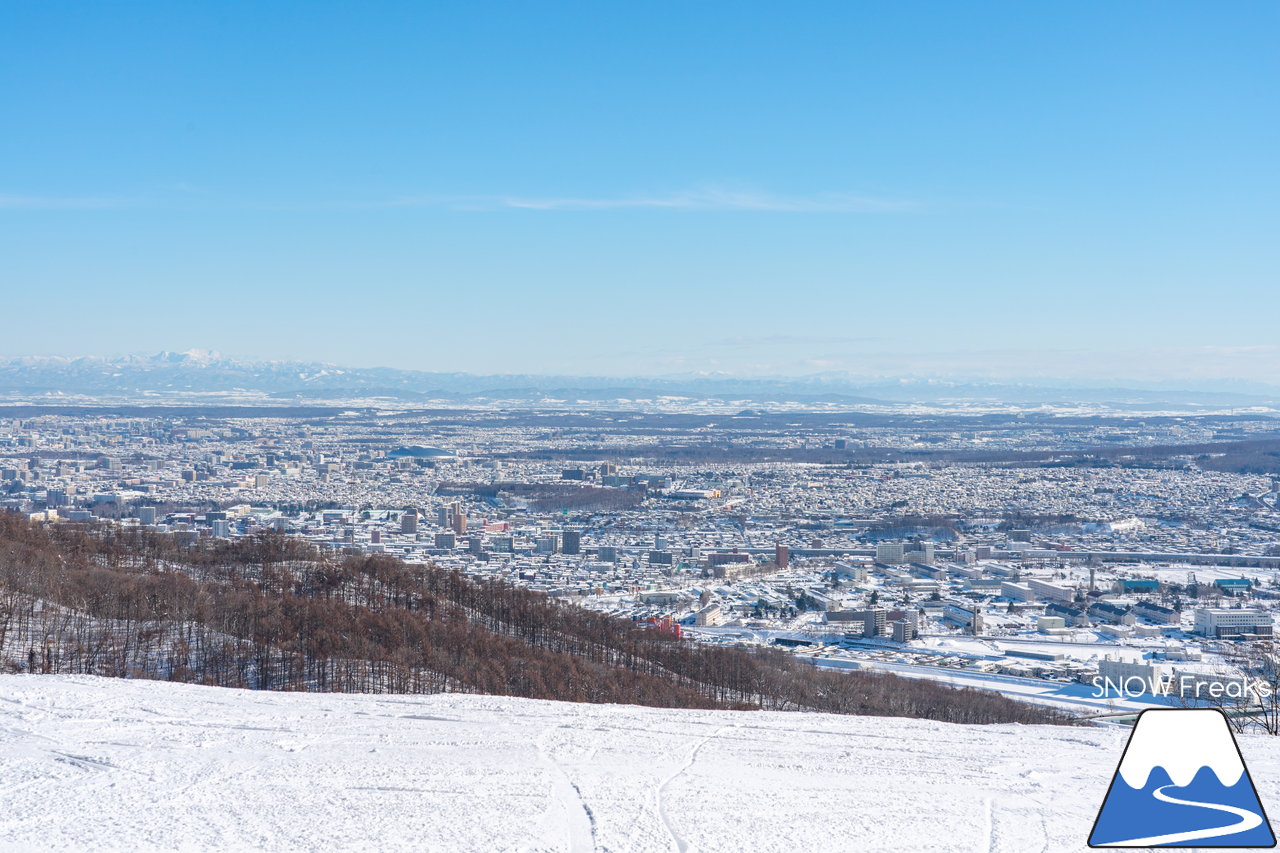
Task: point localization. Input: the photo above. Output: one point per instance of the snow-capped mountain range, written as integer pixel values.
(193, 374)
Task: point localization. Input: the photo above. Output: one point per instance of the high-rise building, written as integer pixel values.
(146, 514)
(890, 552)
(874, 621)
(409, 522)
(922, 552)
(781, 555)
(571, 542)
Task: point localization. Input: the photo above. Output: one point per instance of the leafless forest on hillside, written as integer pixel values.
(272, 612)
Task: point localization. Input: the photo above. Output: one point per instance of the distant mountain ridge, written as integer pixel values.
(203, 372)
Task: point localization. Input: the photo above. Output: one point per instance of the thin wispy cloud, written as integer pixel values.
(699, 199)
(33, 202)
(1260, 363)
(1190, 367)
(790, 340)
(720, 200)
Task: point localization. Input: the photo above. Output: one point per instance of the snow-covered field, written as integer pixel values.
(92, 764)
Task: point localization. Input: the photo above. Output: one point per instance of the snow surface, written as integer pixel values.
(103, 764)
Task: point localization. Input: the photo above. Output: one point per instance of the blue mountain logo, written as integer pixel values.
(1182, 783)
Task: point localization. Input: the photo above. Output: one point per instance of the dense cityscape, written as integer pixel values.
(1026, 554)
(639, 427)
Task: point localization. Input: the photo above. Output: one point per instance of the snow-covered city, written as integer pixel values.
(639, 428)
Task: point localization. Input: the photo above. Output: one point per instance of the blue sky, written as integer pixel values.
(1005, 190)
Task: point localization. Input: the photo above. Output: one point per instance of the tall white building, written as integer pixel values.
(890, 552)
(1214, 622)
(1051, 591)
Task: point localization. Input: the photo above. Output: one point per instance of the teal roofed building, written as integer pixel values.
(1233, 585)
(1123, 585)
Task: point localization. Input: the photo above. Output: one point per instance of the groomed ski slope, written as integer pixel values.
(104, 764)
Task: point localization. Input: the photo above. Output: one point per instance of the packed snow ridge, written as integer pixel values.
(106, 764)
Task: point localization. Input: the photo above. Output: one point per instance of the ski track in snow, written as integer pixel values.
(101, 764)
(678, 841)
(580, 827)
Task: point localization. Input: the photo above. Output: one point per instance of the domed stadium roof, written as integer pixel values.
(417, 451)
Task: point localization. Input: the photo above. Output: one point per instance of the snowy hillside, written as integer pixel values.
(88, 763)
